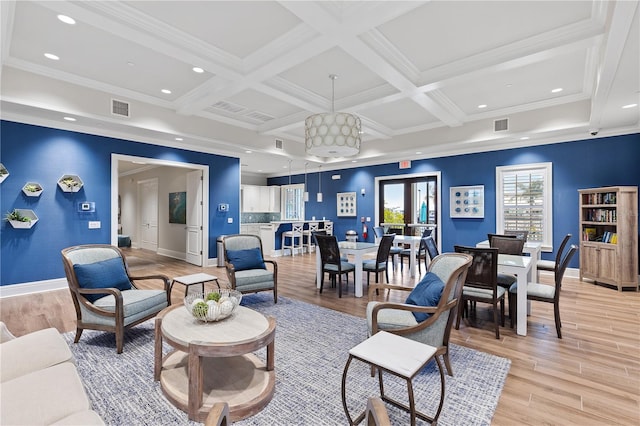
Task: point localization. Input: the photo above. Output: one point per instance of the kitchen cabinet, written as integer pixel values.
(260, 199)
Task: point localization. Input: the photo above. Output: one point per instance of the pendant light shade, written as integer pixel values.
(319, 194)
(334, 134)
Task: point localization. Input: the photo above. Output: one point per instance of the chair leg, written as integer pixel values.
(78, 334)
(447, 363)
(321, 282)
(119, 340)
(386, 272)
(495, 320)
(556, 314)
(339, 285)
(460, 308)
(502, 312)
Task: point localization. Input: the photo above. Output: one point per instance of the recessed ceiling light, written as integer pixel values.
(51, 56)
(354, 161)
(557, 90)
(630, 106)
(179, 139)
(259, 170)
(131, 64)
(198, 70)
(482, 106)
(166, 91)
(70, 119)
(67, 19)
(247, 152)
(524, 138)
(418, 152)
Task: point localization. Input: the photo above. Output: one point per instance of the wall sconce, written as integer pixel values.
(362, 192)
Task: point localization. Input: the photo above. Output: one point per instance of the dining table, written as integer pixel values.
(413, 241)
(522, 268)
(355, 249)
(532, 248)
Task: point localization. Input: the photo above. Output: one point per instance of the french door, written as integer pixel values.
(408, 205)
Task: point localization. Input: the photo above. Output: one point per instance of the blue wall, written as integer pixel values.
(590, 163)
(43, 155)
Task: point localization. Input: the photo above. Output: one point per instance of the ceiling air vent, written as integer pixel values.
(229, 107)
(278, 143)
(120, 108)
(259, 116)
(501, 125)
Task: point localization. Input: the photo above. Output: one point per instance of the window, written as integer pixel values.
(292, 202)
(523, 201)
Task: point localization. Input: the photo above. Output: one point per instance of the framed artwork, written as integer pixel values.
(466, 201)
(178, 207)
(346, 203)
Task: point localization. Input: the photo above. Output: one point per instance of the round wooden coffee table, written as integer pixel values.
(212, 362)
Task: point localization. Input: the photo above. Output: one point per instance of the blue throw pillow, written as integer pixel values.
(246, 259)
(104, 274)
(426, 293)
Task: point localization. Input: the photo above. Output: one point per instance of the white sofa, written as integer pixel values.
(39, 383)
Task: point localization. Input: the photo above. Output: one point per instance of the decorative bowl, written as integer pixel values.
(213, 305)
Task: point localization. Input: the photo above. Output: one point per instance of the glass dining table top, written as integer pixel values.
(353, 245)
(514, 260)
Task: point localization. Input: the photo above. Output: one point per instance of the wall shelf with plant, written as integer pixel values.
(32, 189)
(4, 173)
(21, 218)
(70, 183)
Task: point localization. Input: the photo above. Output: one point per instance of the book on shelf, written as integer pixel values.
(589, 234)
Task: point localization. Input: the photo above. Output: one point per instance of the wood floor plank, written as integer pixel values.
(591, 376)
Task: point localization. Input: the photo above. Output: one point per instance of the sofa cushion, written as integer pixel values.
(426, 293)
(32, 352)
(243, 260)
(43, 397)
(108, 273)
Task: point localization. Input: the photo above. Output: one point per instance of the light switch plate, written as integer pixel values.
(94, 224)
(229, 220)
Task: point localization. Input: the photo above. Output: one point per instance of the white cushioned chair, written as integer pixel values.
(400, 318)
(246, 267)
(104, 293)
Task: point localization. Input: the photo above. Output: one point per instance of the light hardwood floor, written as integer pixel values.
(591, 376)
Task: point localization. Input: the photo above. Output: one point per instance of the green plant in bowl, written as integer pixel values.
(15, 215)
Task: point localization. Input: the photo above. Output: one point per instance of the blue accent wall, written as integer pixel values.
(610, 161)
(43, 155)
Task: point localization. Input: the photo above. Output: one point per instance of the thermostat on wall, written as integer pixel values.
(223, 207)
(86, 207)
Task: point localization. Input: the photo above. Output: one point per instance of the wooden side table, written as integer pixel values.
(401, 357)
(189, 280)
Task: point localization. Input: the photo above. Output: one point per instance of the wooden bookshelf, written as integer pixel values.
(609, 235)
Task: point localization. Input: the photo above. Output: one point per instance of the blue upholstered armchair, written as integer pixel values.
(246, 267)
(105, 295)
(428, 313)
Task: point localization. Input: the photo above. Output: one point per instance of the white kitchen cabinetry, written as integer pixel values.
(260, 199)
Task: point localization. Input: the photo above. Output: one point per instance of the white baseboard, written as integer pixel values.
(33, 287)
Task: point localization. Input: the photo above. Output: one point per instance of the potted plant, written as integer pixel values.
(3, 172)
(70, 183)
(21, 218)
(32, 189)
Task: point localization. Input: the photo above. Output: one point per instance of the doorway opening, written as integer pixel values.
(195, 243)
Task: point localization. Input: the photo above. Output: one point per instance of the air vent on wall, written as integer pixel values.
(119, 108)
(501, 125)
(278, 143)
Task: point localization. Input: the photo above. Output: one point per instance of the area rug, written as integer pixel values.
(312, 345)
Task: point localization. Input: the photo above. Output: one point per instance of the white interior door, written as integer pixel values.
(194, 217)
(148, 208)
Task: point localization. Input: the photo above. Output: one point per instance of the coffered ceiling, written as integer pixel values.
(426, 78)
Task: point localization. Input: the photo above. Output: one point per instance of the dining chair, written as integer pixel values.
(544, 292)
(490, 236)
(507, 245)
(522, 235)
(552, 265)
(481, 284)
(379, 264)
(332, 263)
(432, 248)
(295, 237)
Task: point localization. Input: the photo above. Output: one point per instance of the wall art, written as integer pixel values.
(467, 201)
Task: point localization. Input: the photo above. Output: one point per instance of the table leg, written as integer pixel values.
(412, 260)
(358, 262)
(195, 384)
(271, 349)
(318, 269)
(344, 391)
(522, 304)
(157, 365)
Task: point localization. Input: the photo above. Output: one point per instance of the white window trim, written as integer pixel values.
(283, 200)
(547, 169)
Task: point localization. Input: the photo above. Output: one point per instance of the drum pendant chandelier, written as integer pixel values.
(332, 134)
